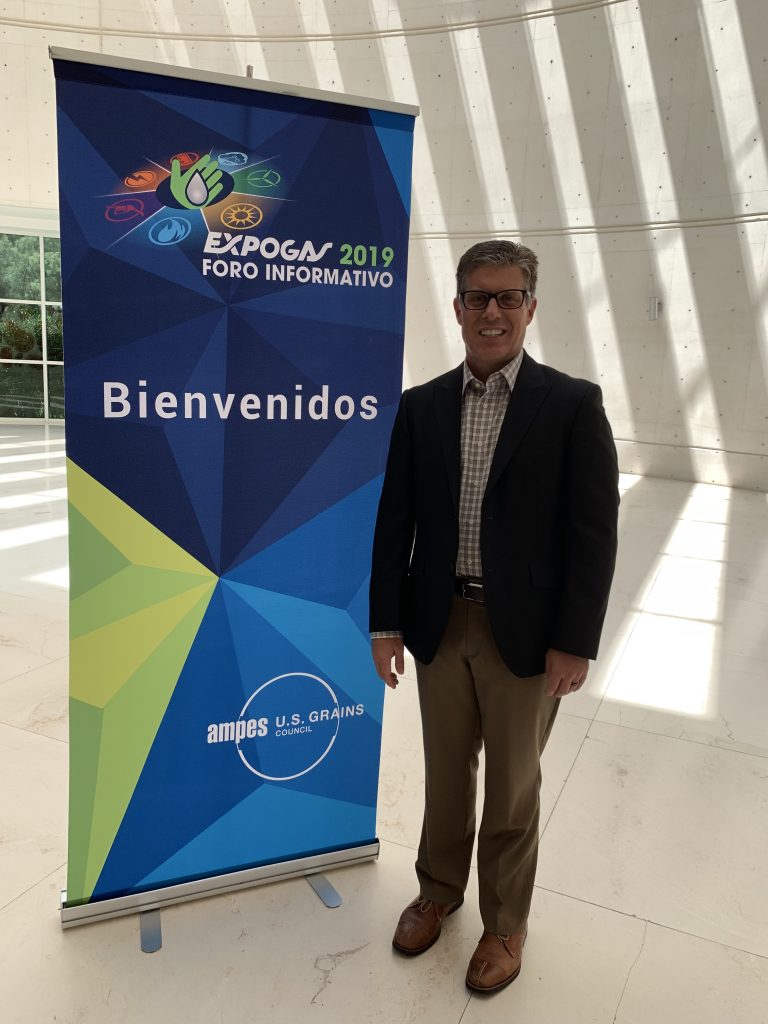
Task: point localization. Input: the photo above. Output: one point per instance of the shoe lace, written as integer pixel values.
(423, 904)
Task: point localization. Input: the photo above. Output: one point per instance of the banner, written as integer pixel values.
(233, 265)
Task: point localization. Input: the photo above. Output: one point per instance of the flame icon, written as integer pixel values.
(170, 231)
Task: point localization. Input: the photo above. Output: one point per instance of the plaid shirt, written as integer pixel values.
(482, 411)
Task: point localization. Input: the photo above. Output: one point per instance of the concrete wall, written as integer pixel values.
(624, 140)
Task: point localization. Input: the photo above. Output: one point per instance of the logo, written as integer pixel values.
(232, 160)
(140, 179)
(235, 200)
(242, 216)
(185, 159)
(287, 727)
(125, 209)
(170, 231)
(197, 186)
(263, 177)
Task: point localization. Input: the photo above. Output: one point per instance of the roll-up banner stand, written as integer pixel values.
(233, 262)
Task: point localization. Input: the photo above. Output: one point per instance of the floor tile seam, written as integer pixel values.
(27, 671)
(696, 558)
(466, 1007)
(656, 924)
(629, 972)
(679, 739)
(33, 732)
(394, 842)
(719, 622)
(562, 788)
(617, 661)
(34, 885)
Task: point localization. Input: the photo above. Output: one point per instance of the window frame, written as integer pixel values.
(43, 303)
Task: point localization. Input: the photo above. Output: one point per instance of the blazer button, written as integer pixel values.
(490, 572)
(452, 568)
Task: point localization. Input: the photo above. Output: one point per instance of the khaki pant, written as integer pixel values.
(470, 699)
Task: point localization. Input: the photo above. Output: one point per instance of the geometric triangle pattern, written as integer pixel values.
(131, 628)
(302, 814)
(233, 368)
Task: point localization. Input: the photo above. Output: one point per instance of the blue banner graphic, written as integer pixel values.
(233, 266)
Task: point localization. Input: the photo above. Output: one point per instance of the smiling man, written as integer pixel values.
(493, 557)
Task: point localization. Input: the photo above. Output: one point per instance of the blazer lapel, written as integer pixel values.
(524, 402)
(448, 417)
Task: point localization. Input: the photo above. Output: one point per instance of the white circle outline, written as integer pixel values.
(287, 778)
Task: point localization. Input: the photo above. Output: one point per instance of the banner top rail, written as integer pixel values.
(236, 81)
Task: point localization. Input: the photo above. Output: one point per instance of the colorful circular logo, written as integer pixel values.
(140, 179)
(241, 216)
(170, 231)
(125, 209)
(201, 184)
(185, 159)
(288, 726)
(232, 160)
(263, 177)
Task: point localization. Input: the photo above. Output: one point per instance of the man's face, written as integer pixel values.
(492, 336)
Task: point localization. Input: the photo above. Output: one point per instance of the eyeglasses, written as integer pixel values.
(510, 298)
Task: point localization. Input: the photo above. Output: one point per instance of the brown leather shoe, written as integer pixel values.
(420, 925)
(496, 962)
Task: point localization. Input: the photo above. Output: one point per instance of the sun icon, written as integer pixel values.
(241, 215)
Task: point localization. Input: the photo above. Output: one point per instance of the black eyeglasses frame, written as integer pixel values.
(492, 295)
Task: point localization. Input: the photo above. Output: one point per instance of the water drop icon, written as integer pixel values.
(197, 190)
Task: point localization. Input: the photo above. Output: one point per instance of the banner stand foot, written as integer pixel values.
(151, 931)
(324, 890)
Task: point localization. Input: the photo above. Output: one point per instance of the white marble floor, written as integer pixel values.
(652, 893)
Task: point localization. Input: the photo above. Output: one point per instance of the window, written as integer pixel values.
(31, 351)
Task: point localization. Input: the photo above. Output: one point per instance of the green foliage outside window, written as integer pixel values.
(52, 269)
(53, 332)
(56, 392)
(19, 267)
(22, 360)
(20, 332)
(21, 390)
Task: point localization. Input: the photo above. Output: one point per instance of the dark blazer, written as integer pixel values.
(548, 524)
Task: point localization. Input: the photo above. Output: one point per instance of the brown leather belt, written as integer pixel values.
(470, 589)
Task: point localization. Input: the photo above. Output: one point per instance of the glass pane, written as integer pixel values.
(19, 267)
(21, 335)
(56, 392)
(52, 260)
(21, 390)
(53, 332)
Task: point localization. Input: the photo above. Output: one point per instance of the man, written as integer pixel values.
(493, 557)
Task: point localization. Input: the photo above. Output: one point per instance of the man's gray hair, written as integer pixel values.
(499, 253)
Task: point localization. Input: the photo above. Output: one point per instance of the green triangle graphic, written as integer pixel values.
(85, 738)
(134, 536)
(129, 725)
(135, 611)
(124, 594)
(97, 559)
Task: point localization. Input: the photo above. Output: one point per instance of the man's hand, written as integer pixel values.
(565, 672)
(384, 649)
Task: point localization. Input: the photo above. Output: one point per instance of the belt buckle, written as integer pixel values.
(466, 586)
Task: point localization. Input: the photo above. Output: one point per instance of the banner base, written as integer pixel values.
(156, 899)
(325, 891)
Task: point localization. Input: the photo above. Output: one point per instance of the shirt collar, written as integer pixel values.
(508, 372)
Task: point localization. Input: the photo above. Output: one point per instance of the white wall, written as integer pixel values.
(624, 140)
